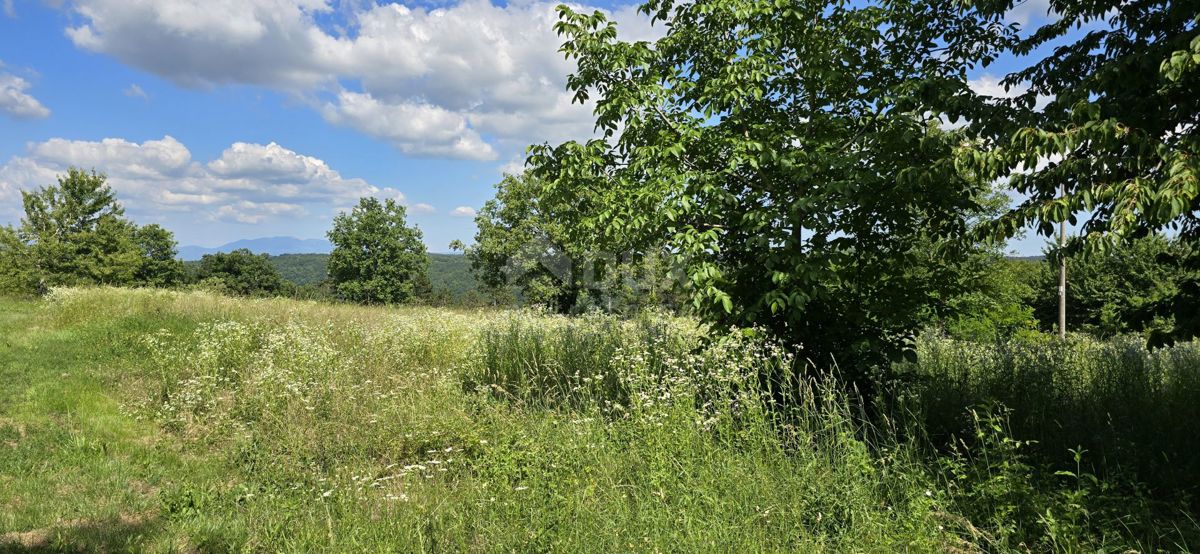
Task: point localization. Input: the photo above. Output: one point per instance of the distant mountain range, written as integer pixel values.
(266, 245)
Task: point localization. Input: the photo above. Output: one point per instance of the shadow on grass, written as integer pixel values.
(124, 533)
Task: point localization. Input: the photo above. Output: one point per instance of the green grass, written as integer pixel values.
(138, 420)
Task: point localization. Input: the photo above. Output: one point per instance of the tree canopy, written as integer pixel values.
(789, 154)
(1103, 127)
(242, 272)
(76, 233)
(377, 257)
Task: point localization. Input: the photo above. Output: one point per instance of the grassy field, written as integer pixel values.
(139, 420)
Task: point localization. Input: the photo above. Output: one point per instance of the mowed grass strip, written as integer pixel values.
(76, 470)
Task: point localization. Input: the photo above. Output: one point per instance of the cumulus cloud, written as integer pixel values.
(17, 103)
(418, 129)
(515, 166)
(199, 44)
(248, 183)
(459, 81)
(463, 211)
(253, 213)
(421, 208)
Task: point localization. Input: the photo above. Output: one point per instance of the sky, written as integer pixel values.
(231, 119)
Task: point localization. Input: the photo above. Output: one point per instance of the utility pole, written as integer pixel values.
(1062, 274)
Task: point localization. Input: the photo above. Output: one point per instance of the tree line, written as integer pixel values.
(75, 233)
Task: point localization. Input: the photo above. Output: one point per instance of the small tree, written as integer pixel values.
(17, 271)
(243, 272)
(160, 266)
(377, 257)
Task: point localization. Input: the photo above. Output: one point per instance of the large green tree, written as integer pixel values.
(377, 257)
(528, 240)
(76, 233)
(790, 154)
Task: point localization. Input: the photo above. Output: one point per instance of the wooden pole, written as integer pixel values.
(1062, 276)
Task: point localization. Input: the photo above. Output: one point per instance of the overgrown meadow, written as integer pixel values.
(148, 420)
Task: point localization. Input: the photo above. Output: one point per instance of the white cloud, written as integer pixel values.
(463, 211)
(135, 91)
(9, 10)
(990, 85)
(418, 129)
(395, 195)
(253, 213)
(197, 44)
(460, 81)
(1030, 12)
(248, 183)
(17, 103)
(515, 166)
(118, 157)
(421, 208)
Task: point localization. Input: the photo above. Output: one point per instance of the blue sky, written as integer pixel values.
(230, 119)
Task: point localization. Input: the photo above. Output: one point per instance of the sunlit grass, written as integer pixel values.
(167, 421)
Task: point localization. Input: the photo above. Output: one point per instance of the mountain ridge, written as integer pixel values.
(264, 245)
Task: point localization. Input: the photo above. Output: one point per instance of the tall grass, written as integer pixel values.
(1131, 409)
(341, 428)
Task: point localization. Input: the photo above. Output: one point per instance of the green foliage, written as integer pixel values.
(1123, 289)
(302, 269)
(75, 233)
(241, 272)
(528, 241)
(523, 240)
(995, 302)
(18, 276)
(788, 155)
(1184, 308)
(1118, 130)
(452, 273)
(160, 265)
(376, 257)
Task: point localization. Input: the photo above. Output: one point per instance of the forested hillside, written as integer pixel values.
(450, 272)
(302, 269)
